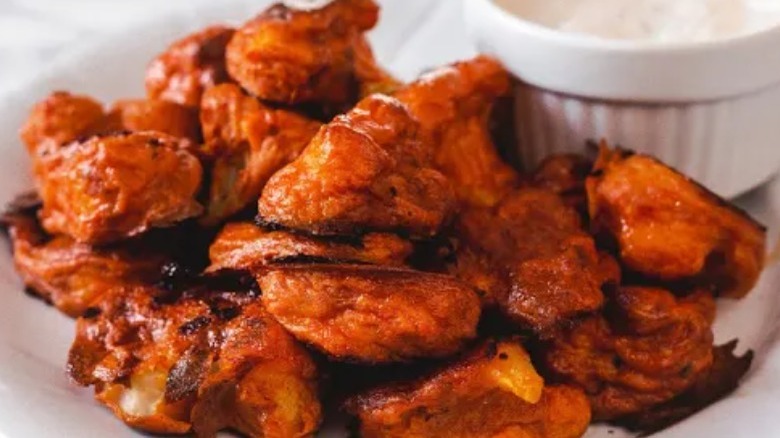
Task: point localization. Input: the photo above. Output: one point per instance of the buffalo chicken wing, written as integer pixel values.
(645, 351)
(245, 246)
(371, 314)
(189, 67)
(247, 143)
(493, 391)
(669, 228)
(206, 362)
(530, 257)
(367, 170)
(108, 188)
(453, 105)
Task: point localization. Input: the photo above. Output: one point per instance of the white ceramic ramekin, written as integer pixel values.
(710, 109)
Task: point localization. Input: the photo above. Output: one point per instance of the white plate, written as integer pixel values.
(36, 399)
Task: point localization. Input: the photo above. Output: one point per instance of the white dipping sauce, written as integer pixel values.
(650, 20)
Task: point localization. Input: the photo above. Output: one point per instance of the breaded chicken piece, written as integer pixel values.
(531, 258)
(245, 246)
(189, 66)
(453, 104)
(648, 349)
(670, 228)
(371, 314)
(367, 170)
(74, 276)
(112, 187)
(62, 118)
(247, 143)
(156, 115)
(291, 56)
(493, 391)
(207, 362)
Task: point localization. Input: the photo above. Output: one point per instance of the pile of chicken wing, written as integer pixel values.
(281, 226)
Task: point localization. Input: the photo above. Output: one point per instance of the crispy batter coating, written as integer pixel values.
(565, 174)
(453, 105)
(204, 363)
(529, 256)
(371, 314)
(670, 228)
(365, 170)
(245, 246)
(290, 56)
(112, 187)
(74, 276)
(248, 142)
(648, 349)
(493, 391)
(156, 115)
(189, 66)
(719, 381)
(60, 119)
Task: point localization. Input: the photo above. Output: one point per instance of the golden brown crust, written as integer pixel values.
(60, 119)
(156, 115)
(112, 187)
(206, 362)
(529, 256)
(649, 349)
(74, 276)
(492, 392)
(366, 170)
(189, 66)
(371, 314)
(453, 105)
(671, 229)
(290, 57)
(247, 143)
(245, 246)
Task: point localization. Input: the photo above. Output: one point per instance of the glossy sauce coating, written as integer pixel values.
(189, 66)
(367, 170)
(112, 187)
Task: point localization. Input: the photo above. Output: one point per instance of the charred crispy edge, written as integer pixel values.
(175, 285)
(624, 154)
(692, 401)
(363, 270)
(343, 231)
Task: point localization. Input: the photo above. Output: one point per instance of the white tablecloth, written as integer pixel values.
(34, 31)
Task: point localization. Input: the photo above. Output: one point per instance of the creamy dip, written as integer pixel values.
(651, 20)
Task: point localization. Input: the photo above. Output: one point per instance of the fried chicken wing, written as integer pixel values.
(366, 170)
(530, 257)
(245, 246)
(493, 391)
(156, 115)
(60, 119)
(453, 105)
(74, 276)
(668, 227)
(291, 56)
(189, 66)
(204, 363)
(651, 347)
(248, 142)
(371, 314)
(112, 187)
